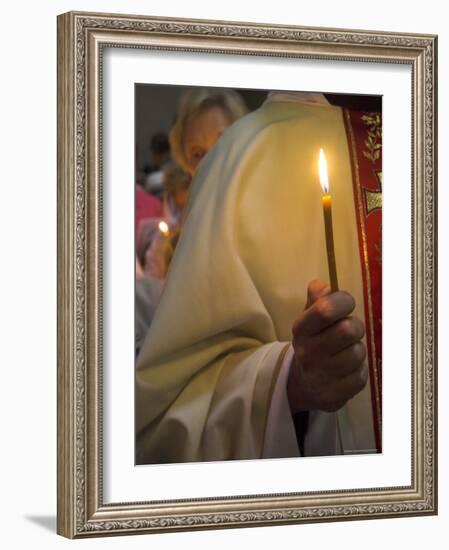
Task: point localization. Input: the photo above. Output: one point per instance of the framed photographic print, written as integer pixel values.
(246, 274)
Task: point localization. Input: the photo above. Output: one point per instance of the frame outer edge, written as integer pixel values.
(65, 280)
(434, 274)
(93, 280)
(79, 482)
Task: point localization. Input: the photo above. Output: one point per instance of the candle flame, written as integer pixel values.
(163, 228)
(324, 179)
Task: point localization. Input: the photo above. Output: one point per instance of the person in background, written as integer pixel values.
(147, 206)
(151, 249)
(160, 156)
(203, 116)
(152, 258)
(176, 187)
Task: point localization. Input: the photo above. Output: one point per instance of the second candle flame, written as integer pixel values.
(164, 229)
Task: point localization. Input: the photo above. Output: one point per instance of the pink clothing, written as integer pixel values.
(147, 206)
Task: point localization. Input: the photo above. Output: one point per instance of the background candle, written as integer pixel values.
(164, 229)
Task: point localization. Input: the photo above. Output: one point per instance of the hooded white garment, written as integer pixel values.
(211, 376)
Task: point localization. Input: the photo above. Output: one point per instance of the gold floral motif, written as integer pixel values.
(374, 141)
(373, 198)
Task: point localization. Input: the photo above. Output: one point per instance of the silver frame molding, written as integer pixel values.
(81, 38)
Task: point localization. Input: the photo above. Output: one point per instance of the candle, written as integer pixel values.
(164, 229)
(327, 213)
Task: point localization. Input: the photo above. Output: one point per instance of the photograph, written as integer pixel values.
(258, 304)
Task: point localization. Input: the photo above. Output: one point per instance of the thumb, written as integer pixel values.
(315, 290)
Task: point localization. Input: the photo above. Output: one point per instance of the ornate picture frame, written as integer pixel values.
(82, 40)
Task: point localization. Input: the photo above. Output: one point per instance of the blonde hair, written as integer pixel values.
(195, 102)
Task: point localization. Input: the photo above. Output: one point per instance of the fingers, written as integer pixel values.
(315, 290)
(322, 389)
(347, 361)
(339, 336)
(344, 389)
(326, 369)
(330, 359)
(323, 313)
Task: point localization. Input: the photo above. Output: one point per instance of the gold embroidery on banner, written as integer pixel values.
(373, 200)
(373, 143)
(368, 279)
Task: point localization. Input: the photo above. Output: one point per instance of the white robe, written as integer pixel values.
(210, 381)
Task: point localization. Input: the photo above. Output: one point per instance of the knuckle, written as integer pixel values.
(315, 287)
(359, 352)
(296, 326)
(297, 330)
(349, 301)
(363, 351)
(332, 405)
(301, 355)
(324, 310)
(365, 374)
(360, 327)
(348, 329)
(331, 400)
(362, 377)
(309, 366)
(351, 329)
(305, 358)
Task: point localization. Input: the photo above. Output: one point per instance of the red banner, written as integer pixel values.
(364, 132)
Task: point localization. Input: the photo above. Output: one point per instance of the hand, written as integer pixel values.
(329, 365)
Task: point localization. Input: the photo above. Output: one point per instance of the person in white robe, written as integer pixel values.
(219, 374)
